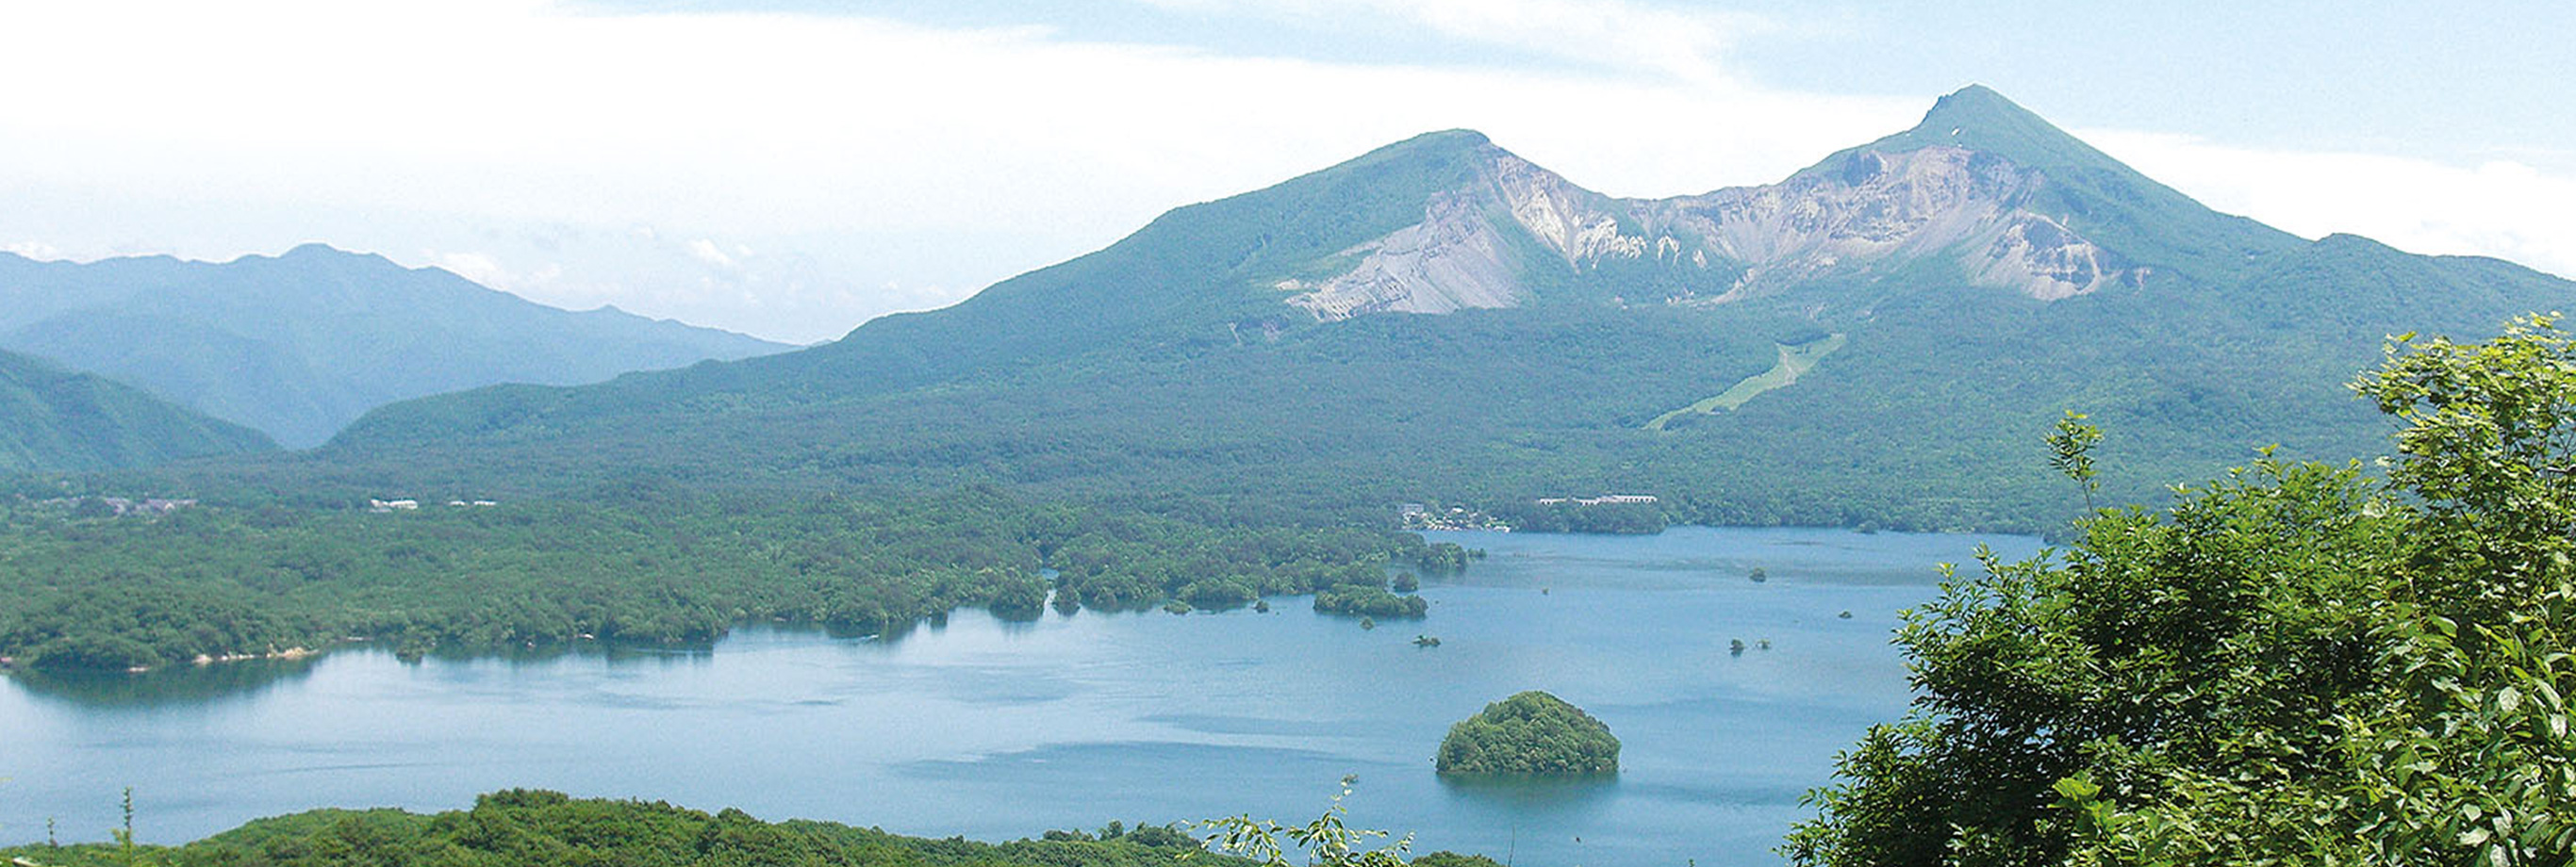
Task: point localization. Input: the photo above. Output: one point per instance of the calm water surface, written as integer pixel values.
(1001, 730)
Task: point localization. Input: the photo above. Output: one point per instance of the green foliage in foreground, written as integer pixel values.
(2295, 665)
(527, 828)
(1327, 841)
(87, 592)
(536, 828)
(1529, 733)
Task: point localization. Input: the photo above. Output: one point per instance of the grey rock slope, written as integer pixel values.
(1982, 189)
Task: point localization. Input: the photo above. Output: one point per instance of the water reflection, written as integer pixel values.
(1527, 793)
(540, 656)
(187, 685)
(163, 687)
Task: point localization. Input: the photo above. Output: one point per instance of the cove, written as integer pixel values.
(998, 730)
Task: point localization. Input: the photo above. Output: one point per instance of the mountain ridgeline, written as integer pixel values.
(300, 344)
(1880, 338)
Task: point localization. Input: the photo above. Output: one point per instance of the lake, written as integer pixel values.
(999, 730)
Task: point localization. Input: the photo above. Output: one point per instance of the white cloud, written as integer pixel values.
(2504, 209)
(1687, 44)
(707, 251)
(524, 108)
(478, 267)
(927, 157)
(487, 269)
(37, 250)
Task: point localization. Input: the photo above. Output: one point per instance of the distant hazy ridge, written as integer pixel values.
(300, 344)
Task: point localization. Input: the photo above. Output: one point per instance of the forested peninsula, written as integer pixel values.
(83, 587)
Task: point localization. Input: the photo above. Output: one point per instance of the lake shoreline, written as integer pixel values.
(504, 650)
(994, 729)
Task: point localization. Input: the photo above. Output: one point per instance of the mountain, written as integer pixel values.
(300, 344)
(54, 419)
(1883, 337)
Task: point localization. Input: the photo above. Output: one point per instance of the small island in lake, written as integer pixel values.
(1532, 733)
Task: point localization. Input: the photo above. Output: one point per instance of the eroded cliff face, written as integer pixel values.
(1463, 253)
(1577, 224)
(1943, 202)
(1878, 210)
(1453, 259)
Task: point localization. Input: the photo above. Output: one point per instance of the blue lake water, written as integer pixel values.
(1001, 730)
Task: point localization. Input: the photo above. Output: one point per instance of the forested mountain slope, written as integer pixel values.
(54, 419)
(1442, 320)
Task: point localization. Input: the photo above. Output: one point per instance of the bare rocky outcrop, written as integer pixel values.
(1878, 209)
(1460, 257)
(1575, 223)
(1925, 203)
(1453, 259)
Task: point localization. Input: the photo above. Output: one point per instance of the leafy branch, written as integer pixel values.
(1327, 841)
(2070, 453)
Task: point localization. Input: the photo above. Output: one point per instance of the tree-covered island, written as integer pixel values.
(1531, 733)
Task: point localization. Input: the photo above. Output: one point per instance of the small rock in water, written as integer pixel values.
(1845, 615)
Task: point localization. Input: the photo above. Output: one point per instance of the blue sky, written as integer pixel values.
(2460, 81)
(791, 167)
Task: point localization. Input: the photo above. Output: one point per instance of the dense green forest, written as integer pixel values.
(2298, 663)
(1532, 733)
(536, 828)
(531, 828)
(82, 587)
